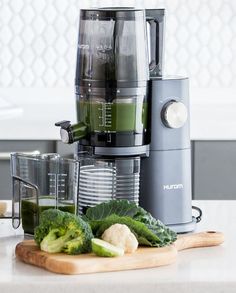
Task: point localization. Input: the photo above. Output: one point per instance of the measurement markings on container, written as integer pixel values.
(57, 183)
(108, 115)
(105, 115)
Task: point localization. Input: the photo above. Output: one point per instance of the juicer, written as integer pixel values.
(133, 122)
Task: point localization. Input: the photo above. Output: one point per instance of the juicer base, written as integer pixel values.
(183, 227)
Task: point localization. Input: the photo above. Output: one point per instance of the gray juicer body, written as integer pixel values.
(165, 189)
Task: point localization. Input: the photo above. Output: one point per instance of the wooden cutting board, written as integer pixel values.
(144, 257)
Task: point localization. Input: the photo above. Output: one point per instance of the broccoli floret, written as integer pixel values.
(52, 242)
(49, 219)
(63, 232)
(74, 246)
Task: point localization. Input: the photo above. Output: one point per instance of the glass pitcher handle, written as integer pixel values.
(15, 199)
(16, 211)
(155, 18)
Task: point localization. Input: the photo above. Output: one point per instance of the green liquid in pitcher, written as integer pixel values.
(30, 211)
(114, 117)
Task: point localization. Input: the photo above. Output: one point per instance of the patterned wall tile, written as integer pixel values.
(38, 40)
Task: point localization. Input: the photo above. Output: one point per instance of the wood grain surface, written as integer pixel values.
(144, 257)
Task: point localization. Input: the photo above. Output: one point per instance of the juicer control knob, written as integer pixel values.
(174, 114)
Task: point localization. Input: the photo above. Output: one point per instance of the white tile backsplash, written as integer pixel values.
(38, 40)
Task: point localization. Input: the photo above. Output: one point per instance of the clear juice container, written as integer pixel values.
(41, 182)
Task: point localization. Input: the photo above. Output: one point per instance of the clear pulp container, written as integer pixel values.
(103, 179)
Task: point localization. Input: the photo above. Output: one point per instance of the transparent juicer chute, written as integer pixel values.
(40, 182)
(112, 46)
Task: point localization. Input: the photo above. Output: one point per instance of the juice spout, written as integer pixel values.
(71, 133)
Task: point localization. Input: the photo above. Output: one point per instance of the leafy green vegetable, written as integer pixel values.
(166, 235)
(118, 207)
(62, 231)
(141, 232)
(103, 215)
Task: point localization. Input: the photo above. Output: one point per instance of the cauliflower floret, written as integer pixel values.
(121, 236)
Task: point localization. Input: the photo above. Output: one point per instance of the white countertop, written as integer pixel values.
(202, 270)
(32, 113)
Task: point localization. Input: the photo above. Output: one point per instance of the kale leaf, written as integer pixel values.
(118, 207)
(105, 214)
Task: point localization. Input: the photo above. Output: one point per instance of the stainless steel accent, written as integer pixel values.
(122, 151)
(174, 114)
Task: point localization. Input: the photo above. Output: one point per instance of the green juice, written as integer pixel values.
(30, 211)
(114, 117)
